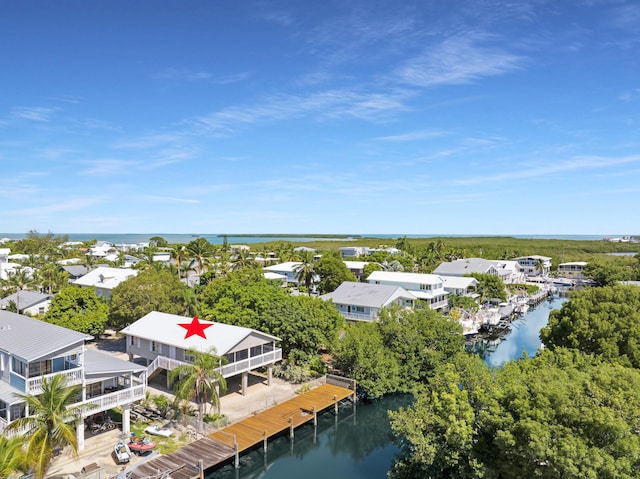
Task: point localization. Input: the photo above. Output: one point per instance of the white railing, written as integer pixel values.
(227, 370)
(358, 316)
(3, 424)
(250, 363)
(72, 376)
(114, 399)
(438, 304)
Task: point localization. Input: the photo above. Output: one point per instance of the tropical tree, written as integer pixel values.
(13, 460)
(332, 272)
(18, 279)
(241, 258)
(51, 278)
(51, 422)
(200, 380)
(179, 254)
(200, 250)
(305, 272)
(78, 309)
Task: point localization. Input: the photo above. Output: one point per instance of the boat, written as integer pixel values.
(141, 445)
(158, 431)
(123, 453)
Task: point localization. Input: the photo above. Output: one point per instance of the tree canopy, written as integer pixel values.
(603, 321)
(306, 325)
(78, 309)
(489, 287)
(560, 414)
(150, 290)
(333, 272)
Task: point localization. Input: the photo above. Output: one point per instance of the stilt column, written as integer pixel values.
(80, 434)
(269, 374)
(245, 383)
(126, 419)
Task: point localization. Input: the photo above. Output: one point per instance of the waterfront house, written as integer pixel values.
(427, 287)
(461, 285)
(104, 279)
(534, 265)
(467, 266)
(509, 271)
(363, 301)
(27, 302)
(32, 350)
(573, 270)
(160, 340)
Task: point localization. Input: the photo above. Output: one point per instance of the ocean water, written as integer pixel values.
(215, 238)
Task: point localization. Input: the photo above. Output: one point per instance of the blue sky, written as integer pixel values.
(425, 117)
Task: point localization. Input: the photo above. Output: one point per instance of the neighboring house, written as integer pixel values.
(8, 268)
(363, 301)
(31, 350)
(427, 287)
(509, 271)
(354, 251)
(531, 264)
(159, 338)
(288, 269)
(466, 266)
(461, 285)
(104, 279)
(573, 270)
(4, 255)
(102, 249)
(75, 271)
(356, 267)
(276, 277)
(27, 302)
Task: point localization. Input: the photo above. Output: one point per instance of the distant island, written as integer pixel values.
(287, 236)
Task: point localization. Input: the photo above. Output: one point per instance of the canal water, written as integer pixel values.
(357, 443)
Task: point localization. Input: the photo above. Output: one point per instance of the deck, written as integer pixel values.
(233, 440)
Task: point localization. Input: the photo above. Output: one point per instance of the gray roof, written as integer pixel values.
(8, 393)
(461, 267)
(24, 299)
(365, 294)
(96, 362)
(76, 270)
(32, 339)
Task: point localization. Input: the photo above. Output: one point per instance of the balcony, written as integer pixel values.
(114, 399)
(358, 316)
(73, 377)
(227, 370)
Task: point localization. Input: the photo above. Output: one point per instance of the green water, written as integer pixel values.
(355, 444)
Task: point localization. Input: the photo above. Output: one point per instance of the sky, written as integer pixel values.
(305, 116)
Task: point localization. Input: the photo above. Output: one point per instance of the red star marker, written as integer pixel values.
(195, 328)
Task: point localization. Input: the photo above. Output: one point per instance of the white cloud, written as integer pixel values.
(415, 135)
(107, 167)
(169, 199)
(176, 74)
(39, 114)
(458, 60)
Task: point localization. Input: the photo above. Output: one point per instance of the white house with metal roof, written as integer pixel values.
(427, 287)
(467, 266)
(159, 338)
(356, 267)
(534, 265)
(363, 301)
(289, 269)
(573, 269)
(104, 279)
(27, 302)
(460, 285)
(32, 350)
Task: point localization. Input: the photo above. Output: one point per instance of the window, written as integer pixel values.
(358, 309)
(132, 340)
(18, 367)
(156, 347)
(256, 351)
(3, 410)
(189, 358)
(240, 355)
(40, 368)
(267, 348)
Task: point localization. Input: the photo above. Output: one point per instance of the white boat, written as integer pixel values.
(123, 453)
(158, 431)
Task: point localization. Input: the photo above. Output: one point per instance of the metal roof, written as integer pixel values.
(461, 267)
(459, 282)
(31, 339)
(106, 278)
(96, 362)
(401, 277)
(8, 393)
(288, 267)
(165, 328)
(24, 299)
(365, 294)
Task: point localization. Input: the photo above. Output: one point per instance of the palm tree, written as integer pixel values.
(18, 279)
(200, 380)
(51, 422)
(200, 250)
(13, 460)
(51, 278)
(179, 254)
(305, 272)
(241, 259)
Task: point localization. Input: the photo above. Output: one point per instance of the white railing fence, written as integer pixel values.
(72, 376)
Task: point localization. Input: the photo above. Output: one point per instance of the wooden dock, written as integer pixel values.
(233, 440)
